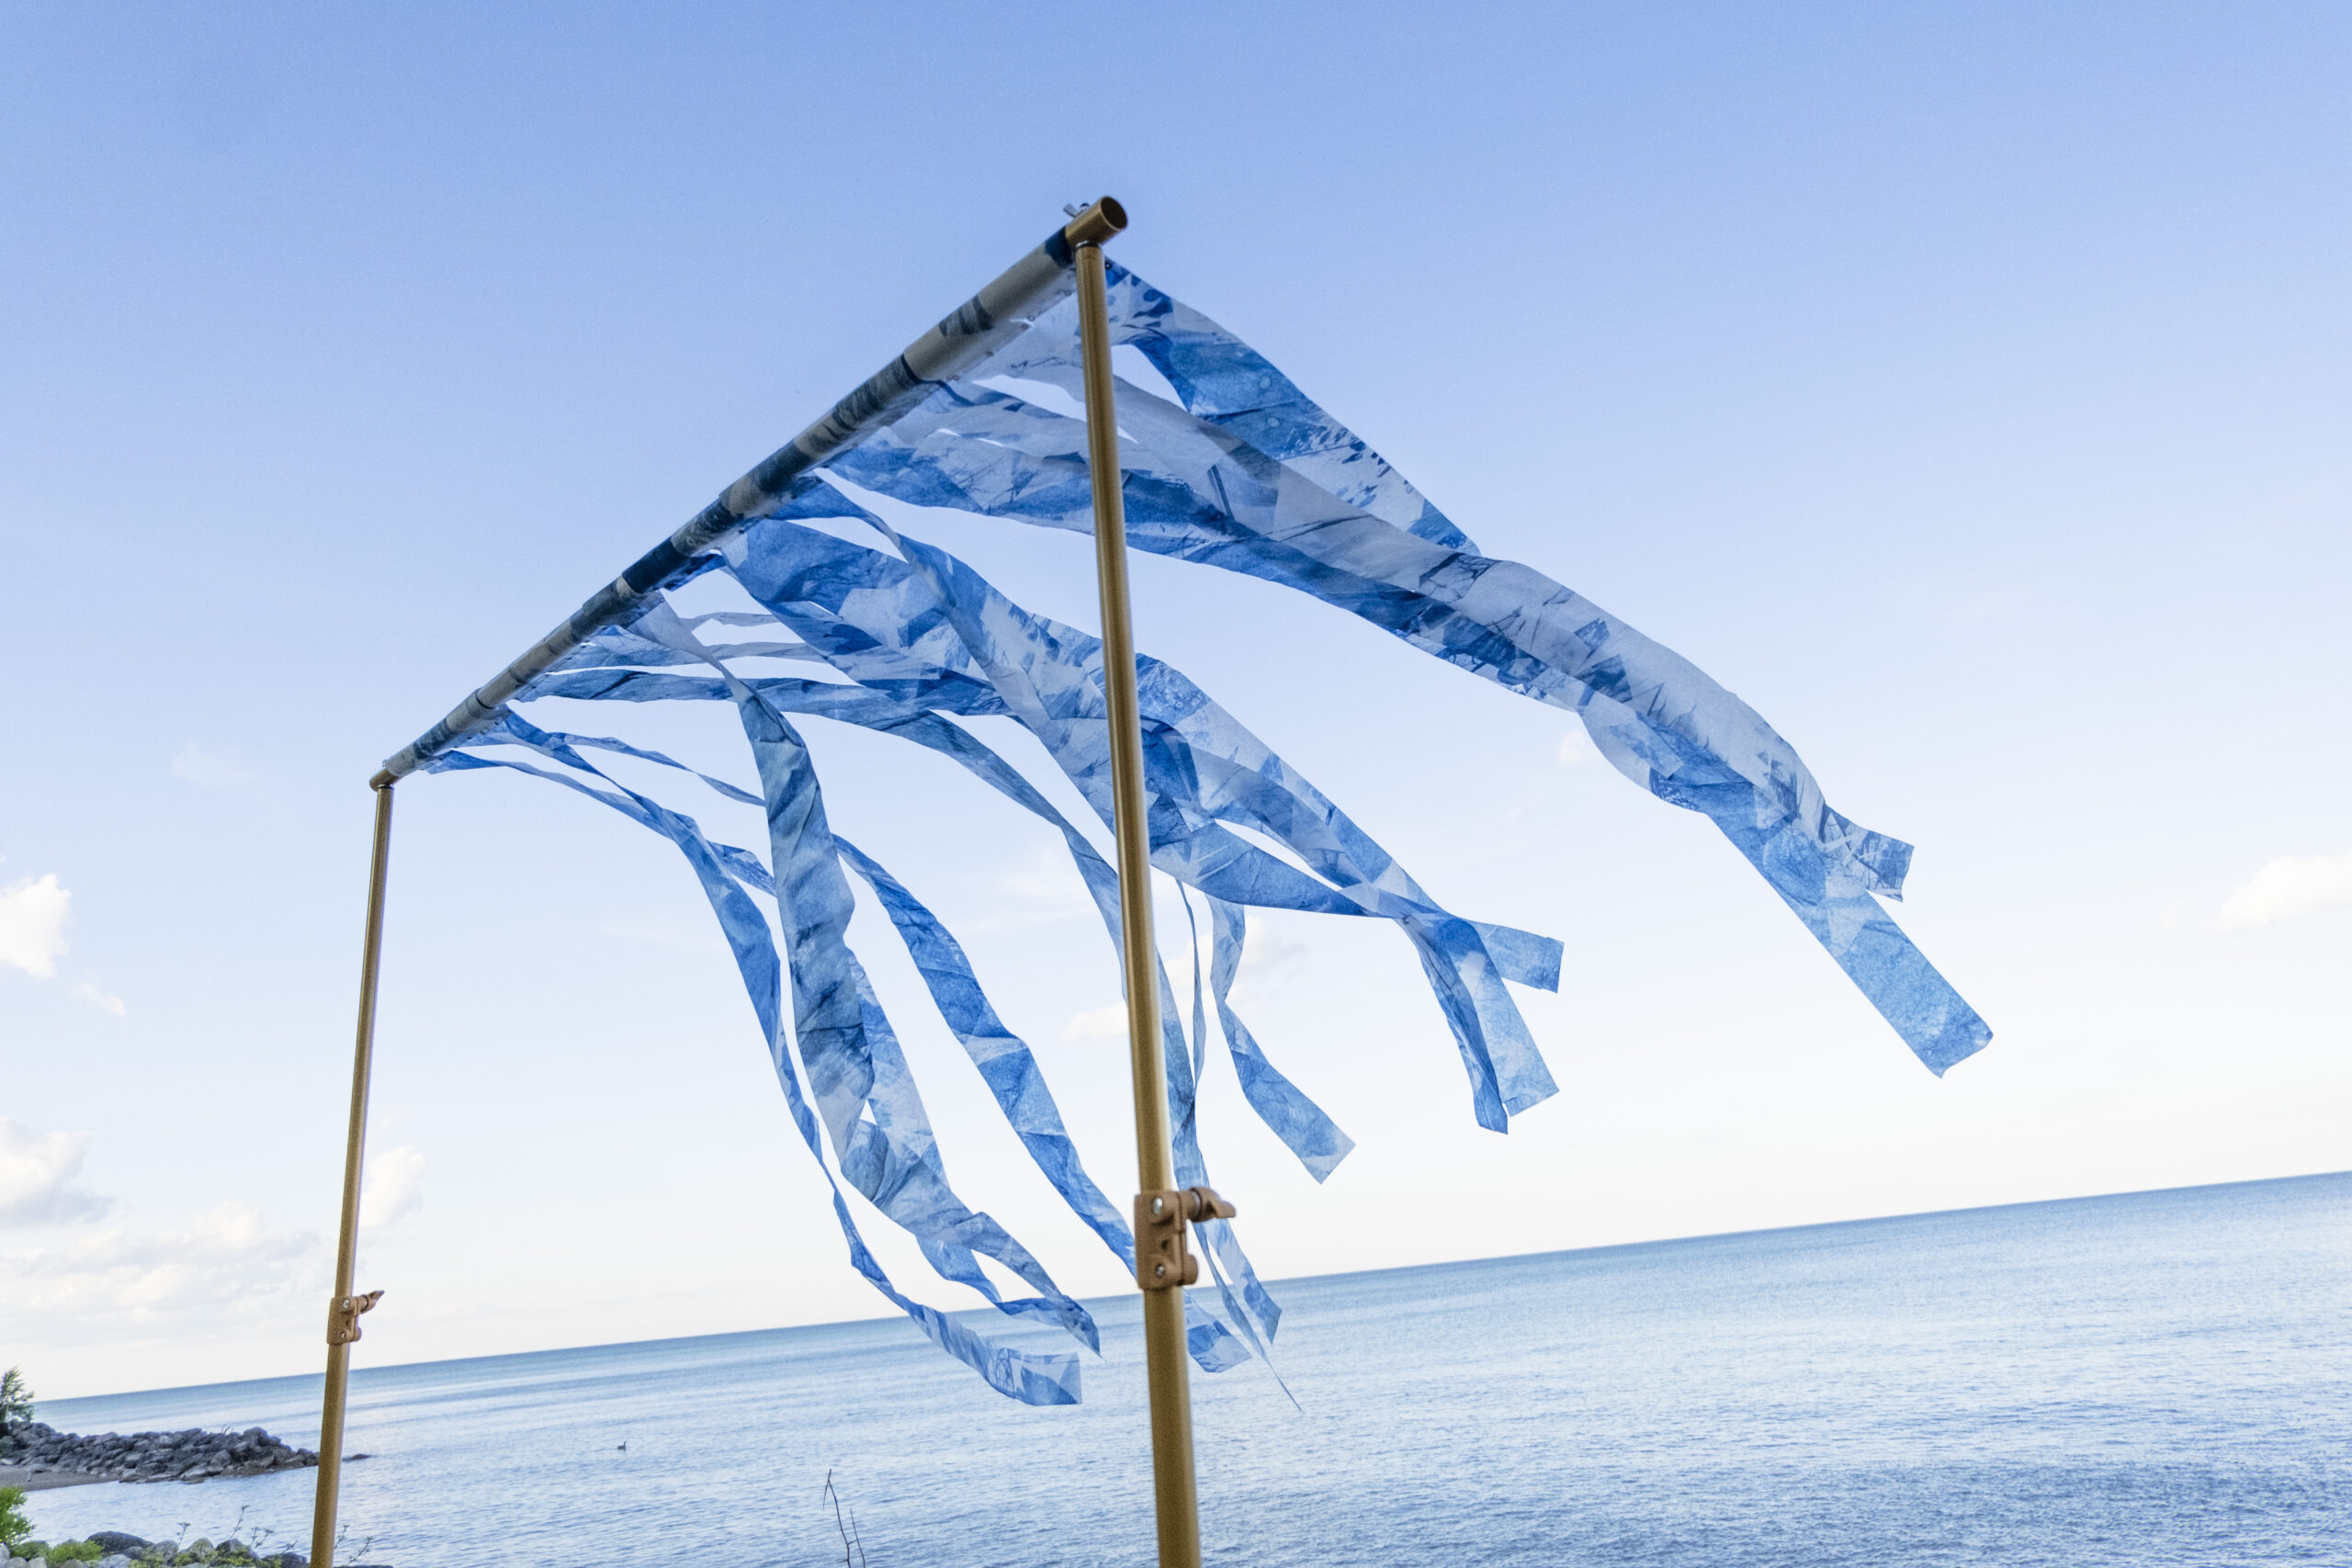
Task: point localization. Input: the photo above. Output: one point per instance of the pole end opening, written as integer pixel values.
(1097, 224)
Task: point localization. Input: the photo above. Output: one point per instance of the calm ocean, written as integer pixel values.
(2156, 1378)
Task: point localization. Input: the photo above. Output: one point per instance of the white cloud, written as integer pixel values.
(1269, 957)
(1576, 748)
(1103, 1023)
(98, 998)
(393, 1187)
(227, 1261)
(1051, 881)
(2285, 889)
(37, 1172)
(33, 913)
(209, 770)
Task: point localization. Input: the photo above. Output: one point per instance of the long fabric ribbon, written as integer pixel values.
(1239, 470)
(831, 1046)
(930, 629)
(1247, 473)
(1027, 1376)
(1199, 744)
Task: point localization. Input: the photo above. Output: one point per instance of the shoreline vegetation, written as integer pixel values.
(35, 1456)
(119, 1548)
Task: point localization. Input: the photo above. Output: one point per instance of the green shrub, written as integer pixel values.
(65, 1552)
(13, 1525)
(16, 1397)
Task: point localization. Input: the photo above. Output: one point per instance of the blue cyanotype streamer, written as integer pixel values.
(1006, 1064)
(1210, 1342)
(1250, 1303)
(924, 1206)
(1027, 1376)
(930, 627)
(881, 1134)
(1251, 475)
(1298, 1121)
(1242, 470)
(1290, 1113)
(1004, 1059)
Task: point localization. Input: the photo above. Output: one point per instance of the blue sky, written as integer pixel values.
(1967, 387)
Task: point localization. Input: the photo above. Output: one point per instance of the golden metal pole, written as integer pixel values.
(1163, 1309)
(343, 1312)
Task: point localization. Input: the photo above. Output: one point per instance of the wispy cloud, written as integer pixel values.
(209, 770)
(33, 912)
(1049, 877)
(698, 936)
(98, 998)
(2287, 889)
(228, 1261)
(37, 1178)
(394, 1186)
(1271, 954)
(1101, 1024)
(1577, 749)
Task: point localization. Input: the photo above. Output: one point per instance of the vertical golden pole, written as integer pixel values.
(1163, 1310)
(343, 1312)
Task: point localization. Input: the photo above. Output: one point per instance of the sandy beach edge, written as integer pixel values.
(42, 1480)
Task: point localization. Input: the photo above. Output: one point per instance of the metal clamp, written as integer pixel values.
(342, 1316)
(1163, 1260)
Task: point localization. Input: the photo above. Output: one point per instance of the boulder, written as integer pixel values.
(192, 1455)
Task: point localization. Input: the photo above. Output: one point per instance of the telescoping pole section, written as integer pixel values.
(344, 1310)
(1071, 254)
(1173, 1491)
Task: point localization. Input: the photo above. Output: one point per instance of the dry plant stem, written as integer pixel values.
(849, 1538)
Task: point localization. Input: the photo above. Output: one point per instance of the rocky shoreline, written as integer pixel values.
(122, 1551)
(48, 1455)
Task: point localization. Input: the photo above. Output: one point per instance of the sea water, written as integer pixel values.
(2155, 1378)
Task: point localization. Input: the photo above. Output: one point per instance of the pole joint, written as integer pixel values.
(1164, 1259)
(343, 1316)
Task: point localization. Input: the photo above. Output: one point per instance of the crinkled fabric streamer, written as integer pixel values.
(1245, 472)
(1028, 1377)
(1239, 470)
(898, 631)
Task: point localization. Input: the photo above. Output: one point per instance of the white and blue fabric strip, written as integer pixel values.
(1238, 469)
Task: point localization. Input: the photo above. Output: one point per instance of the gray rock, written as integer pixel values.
(118, 1559)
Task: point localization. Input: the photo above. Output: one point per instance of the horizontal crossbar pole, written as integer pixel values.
(977, 329)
